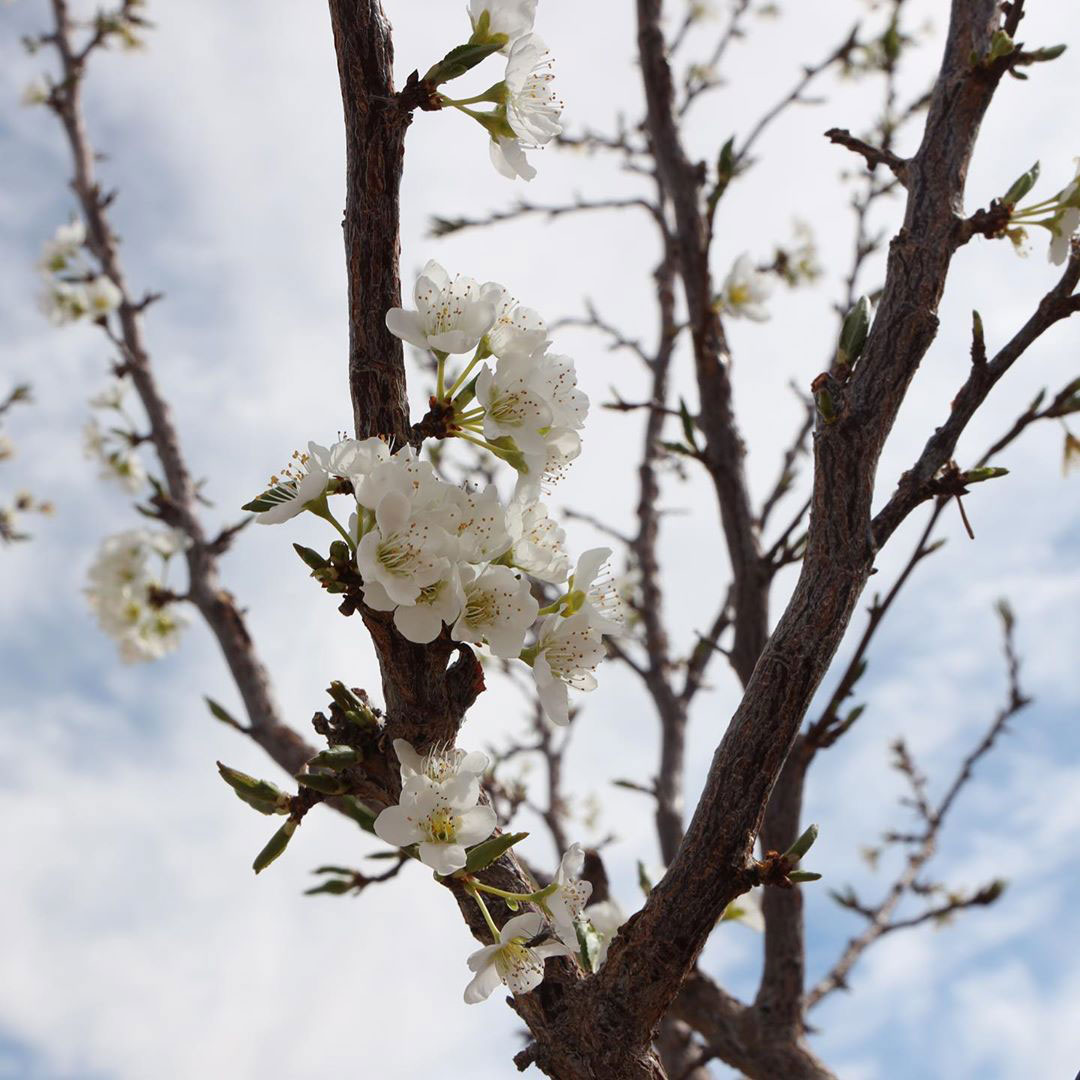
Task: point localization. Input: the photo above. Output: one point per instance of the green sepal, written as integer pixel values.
(484, 854)
(276, 845)
(1021, 186)
(463, 58)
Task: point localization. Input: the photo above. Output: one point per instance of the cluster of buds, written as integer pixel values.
(73, 291)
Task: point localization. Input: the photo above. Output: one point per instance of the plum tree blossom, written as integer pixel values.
(63, 246)
(513, 406)
(605, 917)
(437, 604)
(532, 106)
(451, 315)
(129, 599)
(594, 592)
(511, 960)
(537, 542)
(571, 895)
(745, 291)
(517, 330)
(441, 764)
(302, 482)
(478, 522)
(443, 819)
(566, 654)
(499, 609)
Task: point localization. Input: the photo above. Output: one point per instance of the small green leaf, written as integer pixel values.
(799, 876)
(687, 424)
(336, 887)
(977, 476)
(1020, 187)
(345, 871)
(324, 783)
(265, 797)
(643, 878)
(463, 58)
(336, 757)
(483, 855)
(276, 845)
(802, 845)
(224, 716)
(853, 333)
(311, 557)
(354, 808)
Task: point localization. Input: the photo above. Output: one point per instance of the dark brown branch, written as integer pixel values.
(445, 226)
(874, 155)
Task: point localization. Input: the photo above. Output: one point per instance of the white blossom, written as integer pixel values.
(512, 406)
(36, 92)
(477, 521)
(745, 290)
(443, 819)
(450, 316)
(63, 246)
(441, 764)
(544, 468)
(511, 960)
(103, 296)
(436, 605)
(514, 18)
(567, 652)
(351, 458)
(606, 917)
(538, 542)
(124, 594)
(568, 901)
(517, 330)
(508, 157)
(594, 592)
(117, 456)
(532, 107)
(1062, 229)
(404, 473)
(499, 609)
(64, 302)
(302, 481)
(405, 551)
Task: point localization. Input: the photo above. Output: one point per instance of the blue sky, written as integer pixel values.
(133, 920)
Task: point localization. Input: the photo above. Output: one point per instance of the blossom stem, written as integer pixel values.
(471, 416)
(440, 374)
(496, 450)
(537, 897)
(470, 888)
(320, 509)
(551, 608)
(459, 381)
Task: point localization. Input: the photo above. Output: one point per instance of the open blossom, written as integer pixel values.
(118, 457)
(544, 468)
(567, 652)
(436, 605)
(36, 92)
(538, 542)
(64, 302)
(441, 764)
(103, 296)
(124, 594)
(404, 473)
(477, 521)
(568, 901)
(451, 316)
(532, 108)
(349, 458)
(511, 960)
(517, 330)
(405, 552)
(512, 406)
(1067, 220)
(63, 246)
(302, 481)
(745, 290)
(595, 593)
(499, 609)
(443, 819)
(514, 18)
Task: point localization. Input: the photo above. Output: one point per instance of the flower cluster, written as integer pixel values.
(72, 289)
(527, 109)
(129, 599)
(439, 556)
(438, 817)
(114, 445)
